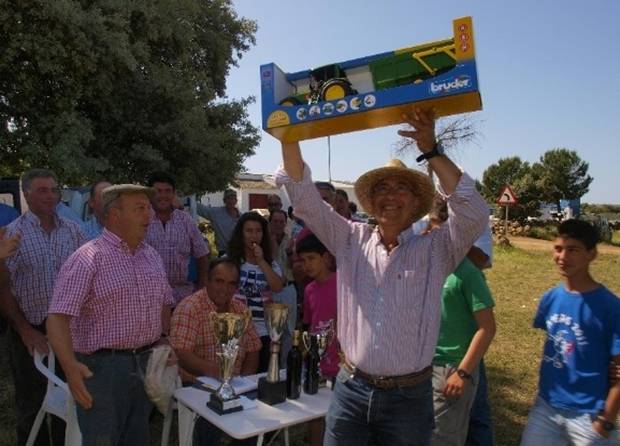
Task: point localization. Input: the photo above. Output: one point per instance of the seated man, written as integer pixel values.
(194, 342)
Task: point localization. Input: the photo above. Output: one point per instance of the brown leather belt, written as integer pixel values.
(389, 382)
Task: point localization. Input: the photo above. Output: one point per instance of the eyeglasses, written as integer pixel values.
(399, 189)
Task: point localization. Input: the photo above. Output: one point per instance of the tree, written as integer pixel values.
(119, 89)
(523, 180)
(564, 176)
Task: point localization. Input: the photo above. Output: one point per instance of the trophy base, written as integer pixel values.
(271, 393)
(223, 407)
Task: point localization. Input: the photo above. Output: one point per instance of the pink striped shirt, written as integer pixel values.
(176, 242)
(389, 305)
(38, 259)
(115, 297)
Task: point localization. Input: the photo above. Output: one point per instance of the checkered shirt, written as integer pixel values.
(35, 265)
(190, 330)
(115, 297)
(176, 242)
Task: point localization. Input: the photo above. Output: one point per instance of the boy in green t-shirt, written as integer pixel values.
(467, 329)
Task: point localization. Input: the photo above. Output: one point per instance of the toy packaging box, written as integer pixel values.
(372, 91)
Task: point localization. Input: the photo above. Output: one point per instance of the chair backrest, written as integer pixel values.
(49, 370)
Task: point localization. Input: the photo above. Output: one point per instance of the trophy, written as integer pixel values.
(228, 329)
(272, 390)
(322, 338)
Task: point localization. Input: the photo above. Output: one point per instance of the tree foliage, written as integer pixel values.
(522, 179)
(560, 174)
(563, 176)
(101, 88)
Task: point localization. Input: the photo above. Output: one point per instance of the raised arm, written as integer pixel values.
(331, 228)
(423, 122)
(293, 162)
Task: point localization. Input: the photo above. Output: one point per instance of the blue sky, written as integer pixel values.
(549, 74)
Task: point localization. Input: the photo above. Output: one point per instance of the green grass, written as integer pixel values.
(615, 237)
(518, 279)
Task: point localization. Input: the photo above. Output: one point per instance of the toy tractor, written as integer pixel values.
(327, 83)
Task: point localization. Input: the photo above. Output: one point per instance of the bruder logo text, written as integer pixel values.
(448, 86)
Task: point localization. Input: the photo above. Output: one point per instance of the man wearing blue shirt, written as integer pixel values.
(7, 214)
(576, 405)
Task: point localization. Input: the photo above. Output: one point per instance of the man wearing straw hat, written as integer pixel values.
(389, 287)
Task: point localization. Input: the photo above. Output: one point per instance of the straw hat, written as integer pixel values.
(421, 185)
(111, 193)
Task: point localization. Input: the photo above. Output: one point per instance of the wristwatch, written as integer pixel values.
(463, 374)
(607, 425)
(436, 151)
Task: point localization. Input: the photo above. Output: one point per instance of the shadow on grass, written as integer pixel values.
(510, 410)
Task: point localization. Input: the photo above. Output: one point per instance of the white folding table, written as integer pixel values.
(192, 403)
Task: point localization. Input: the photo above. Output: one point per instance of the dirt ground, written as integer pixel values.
(545, 245)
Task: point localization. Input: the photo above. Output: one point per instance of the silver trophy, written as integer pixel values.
(228, 329)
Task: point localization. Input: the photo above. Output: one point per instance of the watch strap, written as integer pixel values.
(463, 374)
(430, 154)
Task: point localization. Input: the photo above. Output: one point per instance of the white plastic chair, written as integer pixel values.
(58, 401)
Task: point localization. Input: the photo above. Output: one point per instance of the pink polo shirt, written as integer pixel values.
(115, 297)
(320, 310)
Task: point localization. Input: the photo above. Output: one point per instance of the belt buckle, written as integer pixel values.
(382, 382)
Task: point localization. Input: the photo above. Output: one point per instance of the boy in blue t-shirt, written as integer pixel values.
(575, 404)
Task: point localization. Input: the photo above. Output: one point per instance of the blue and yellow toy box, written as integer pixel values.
(372, 91)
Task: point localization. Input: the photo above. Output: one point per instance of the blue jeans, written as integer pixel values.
(121, 409)
(480, 431)
(547, 426)
(360, 412)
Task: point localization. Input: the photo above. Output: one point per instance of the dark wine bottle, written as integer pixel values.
(311, 384)
(293, 369)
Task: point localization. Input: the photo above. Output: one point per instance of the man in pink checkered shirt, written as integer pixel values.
(111, 305)
(175, 236)
(28, 277)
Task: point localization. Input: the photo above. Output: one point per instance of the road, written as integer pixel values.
(545, 245)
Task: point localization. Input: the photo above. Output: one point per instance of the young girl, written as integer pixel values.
(250, 247)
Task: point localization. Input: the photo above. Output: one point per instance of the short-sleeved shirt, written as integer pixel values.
(464, 293)
(320, 310)
(115, 296)
(223, 224)
(583, 333)
(35, 265)
(254, 290)
(92, 228)
(7, 214)
(176, 242)
(191, 330)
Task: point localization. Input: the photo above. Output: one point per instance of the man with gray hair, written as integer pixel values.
(111, 305)
(26, 282)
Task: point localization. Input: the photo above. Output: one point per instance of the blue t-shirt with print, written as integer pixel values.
(583, 332)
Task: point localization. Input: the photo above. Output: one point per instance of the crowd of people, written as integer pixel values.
(406, 297)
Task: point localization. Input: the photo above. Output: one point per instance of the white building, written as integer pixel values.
(253, 190)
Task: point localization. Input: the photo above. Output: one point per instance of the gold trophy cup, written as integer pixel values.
(272, 390)
(228, 329)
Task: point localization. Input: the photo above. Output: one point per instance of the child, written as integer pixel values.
(466, 331)
(575, 403)
(319, 310)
